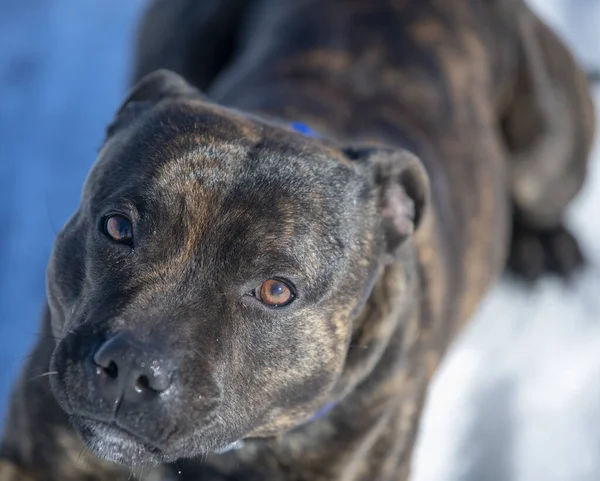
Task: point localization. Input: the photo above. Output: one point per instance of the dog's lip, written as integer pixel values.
(112, 428)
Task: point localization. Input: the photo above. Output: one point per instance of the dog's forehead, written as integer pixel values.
(196, 142)
(209, 165)
(200, 152)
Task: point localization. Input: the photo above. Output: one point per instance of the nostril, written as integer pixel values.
(111, 369)
(151, 383)
(143, 384)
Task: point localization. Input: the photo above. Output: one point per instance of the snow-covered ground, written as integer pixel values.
(517, 399)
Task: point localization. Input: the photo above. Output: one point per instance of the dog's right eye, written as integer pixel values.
(118, 228)
(274, 293)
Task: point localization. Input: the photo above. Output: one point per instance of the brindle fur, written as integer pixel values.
(488, 99)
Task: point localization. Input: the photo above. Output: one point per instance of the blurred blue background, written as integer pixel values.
(519, 396)
(63, 71)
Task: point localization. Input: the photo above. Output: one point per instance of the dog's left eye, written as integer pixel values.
(119, 229)
(274, 293)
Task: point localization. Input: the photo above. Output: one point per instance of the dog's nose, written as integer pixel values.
(131, 369)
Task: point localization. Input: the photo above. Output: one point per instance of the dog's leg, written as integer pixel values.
(193, 38)
(548, 128)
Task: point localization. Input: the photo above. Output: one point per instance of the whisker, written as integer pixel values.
(52, 224)
(45, 396)
(24, 358)
(49, 373)
(79, 457)
(50, 336)
(41, 334)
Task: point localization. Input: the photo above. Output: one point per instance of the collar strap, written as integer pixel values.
(321, 412)
(303, 129)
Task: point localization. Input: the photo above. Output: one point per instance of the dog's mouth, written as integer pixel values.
(113, 443)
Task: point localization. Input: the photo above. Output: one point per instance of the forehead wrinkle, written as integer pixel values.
(200, 158)
(194, 181)
(279, 246)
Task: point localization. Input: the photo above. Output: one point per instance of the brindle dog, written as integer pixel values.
(236, 300)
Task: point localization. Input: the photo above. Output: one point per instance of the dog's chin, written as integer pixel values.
(111, 443)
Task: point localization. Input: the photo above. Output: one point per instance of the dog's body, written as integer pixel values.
(480, 91)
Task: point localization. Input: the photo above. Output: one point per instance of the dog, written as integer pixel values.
(295, 210)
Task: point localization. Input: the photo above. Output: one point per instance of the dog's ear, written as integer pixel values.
(402, 186)
(151, 89)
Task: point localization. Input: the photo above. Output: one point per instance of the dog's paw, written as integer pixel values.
(535, 253)
(11, 472)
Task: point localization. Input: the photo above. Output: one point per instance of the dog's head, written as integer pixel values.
(207, 288)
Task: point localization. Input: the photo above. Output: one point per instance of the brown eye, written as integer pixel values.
(118, 228)
(275, 293)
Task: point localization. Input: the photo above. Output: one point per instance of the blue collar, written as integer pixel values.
(304, 129)
(321, 412)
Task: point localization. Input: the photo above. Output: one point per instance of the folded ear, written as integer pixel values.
(402, 185)
(151, 89)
